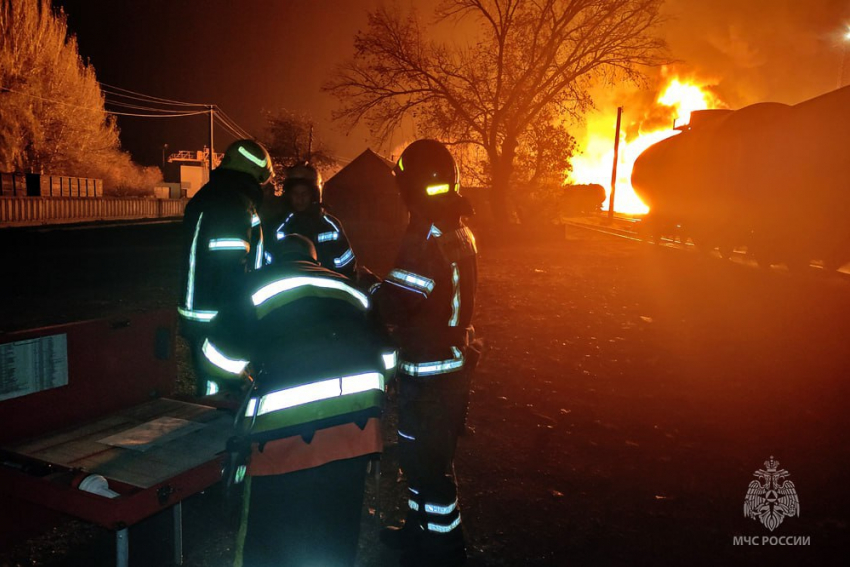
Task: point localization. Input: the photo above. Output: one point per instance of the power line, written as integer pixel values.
(154, 98)
(150, 108)
(226, 121)
(157, 115)
(230, 130)
(234, 124)
(91, 108)
(109, 93)
(230, 124)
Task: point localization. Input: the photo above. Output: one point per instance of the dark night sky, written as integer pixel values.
(248, 56)
(244, 56)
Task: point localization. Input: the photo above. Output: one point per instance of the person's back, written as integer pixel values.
(222, 242)
(313, 414)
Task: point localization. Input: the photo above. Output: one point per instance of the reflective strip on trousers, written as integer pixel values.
(434, 368)
(443, 529)
(435, 509)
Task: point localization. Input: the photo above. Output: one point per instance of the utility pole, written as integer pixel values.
(212, 151)
(310, 145)
(616, 159)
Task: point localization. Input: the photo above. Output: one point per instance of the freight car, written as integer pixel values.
(37, 185)
(771, 178)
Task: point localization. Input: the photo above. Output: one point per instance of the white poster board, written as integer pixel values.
(33, 365)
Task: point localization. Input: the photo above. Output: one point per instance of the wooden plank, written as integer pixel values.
(69, 435)
(163, 462)
(72, 445)
(80, 447)
(135, 415)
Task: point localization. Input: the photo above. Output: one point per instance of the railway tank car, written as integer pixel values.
(769, 177)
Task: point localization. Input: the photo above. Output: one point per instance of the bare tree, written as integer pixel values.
(520, 60)
(290, 139)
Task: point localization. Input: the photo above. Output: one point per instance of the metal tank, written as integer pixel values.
(771, 177)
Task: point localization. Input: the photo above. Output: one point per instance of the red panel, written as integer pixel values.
(112, 513)
(112, 364)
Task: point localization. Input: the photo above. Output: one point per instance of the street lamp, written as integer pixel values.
(164, 149)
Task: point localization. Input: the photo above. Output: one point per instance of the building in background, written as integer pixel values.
(194, 169)
(364, 196)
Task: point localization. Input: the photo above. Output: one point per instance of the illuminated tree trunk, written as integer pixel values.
(502, 167)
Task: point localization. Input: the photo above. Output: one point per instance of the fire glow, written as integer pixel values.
(594, 164)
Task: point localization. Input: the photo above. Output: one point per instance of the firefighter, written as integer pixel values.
(305, 215)
(311, 419)
(223, 241)
(429, 297)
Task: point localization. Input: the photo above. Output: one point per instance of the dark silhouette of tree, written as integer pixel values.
(52, 116)
(291, 139)
(509, 64)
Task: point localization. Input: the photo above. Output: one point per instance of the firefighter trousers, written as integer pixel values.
(431, 411)
(304, 518)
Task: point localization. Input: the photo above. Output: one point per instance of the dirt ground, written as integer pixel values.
(626, 396)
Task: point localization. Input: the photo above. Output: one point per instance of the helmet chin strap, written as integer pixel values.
(450, 210)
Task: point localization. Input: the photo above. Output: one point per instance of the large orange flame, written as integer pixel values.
(594, 164)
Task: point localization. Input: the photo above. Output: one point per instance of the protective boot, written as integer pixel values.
(402, 537)
(419, 557)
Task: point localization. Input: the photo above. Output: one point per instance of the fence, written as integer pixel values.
(30, 211)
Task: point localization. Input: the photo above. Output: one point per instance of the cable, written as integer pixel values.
(157, 115)
(229, 124)
(89, 108)
(234, 124)
(230, 130)
(154, 98)
(109, 93)
(150, 108)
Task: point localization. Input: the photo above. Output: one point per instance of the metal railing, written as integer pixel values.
(32, 211)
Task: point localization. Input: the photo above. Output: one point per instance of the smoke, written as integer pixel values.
(739, 51)
(779, 50)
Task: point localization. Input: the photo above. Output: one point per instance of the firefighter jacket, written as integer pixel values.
(326, 231)
(318, 365)
(223, 240)
(429, 296)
